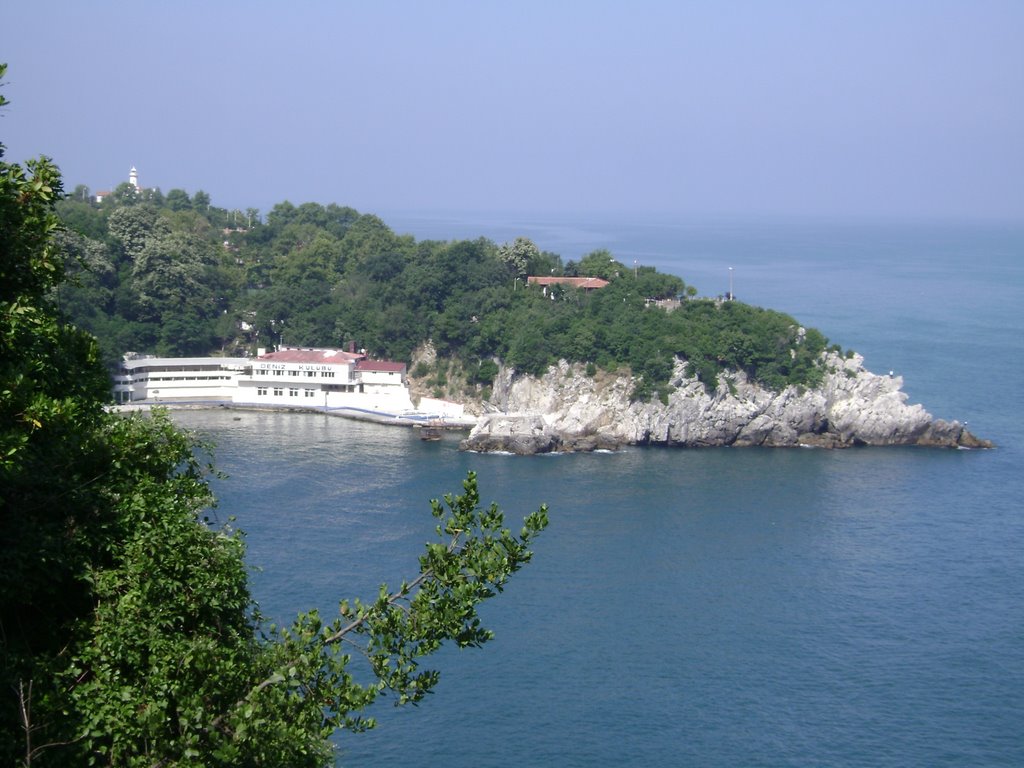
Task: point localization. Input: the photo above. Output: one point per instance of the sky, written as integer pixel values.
(881, 108)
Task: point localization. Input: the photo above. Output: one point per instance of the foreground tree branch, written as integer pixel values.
(455, 576)
(131, 618)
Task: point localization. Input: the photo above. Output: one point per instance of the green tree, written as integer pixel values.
(200, 202)
(83, 216)
(124, 194)
(128, 636)
(366, 238)
(314, 256)
(599, 263)
(171, 273)
(544, 263)
(133, 227)
(152, 196)
(528, 351)
(178, 200)
(51, 393)
(88, 292)
(519, 254)
(81, 194)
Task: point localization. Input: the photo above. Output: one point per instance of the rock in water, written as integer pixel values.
(565, 410)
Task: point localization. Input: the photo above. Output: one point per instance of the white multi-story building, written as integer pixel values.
(324, 379)
(329, 379)
(177, 379)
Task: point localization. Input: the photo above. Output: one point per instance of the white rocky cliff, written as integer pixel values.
(566, 410)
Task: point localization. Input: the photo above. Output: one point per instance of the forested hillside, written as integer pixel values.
(173, 275)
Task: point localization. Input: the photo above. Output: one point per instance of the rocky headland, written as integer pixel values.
(566, 410)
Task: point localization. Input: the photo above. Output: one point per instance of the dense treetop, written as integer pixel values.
(174, 275)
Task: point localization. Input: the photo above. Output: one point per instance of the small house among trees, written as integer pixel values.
(583, 283)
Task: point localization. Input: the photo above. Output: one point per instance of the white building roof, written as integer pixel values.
(295, 355)
(184, 362)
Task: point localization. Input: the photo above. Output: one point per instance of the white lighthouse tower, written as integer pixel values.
(133, 178)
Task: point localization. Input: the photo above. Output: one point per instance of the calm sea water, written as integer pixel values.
(717, 607)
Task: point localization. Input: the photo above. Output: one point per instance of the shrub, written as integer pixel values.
(486, 372)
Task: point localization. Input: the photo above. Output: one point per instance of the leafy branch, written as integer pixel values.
(471, 562)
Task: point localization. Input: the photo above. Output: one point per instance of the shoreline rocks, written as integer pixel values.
(565, 410)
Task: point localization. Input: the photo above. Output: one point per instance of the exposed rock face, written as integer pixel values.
(565, 410)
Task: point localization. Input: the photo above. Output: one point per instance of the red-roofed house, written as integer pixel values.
(380, 375)
(380, 370)
(583, 283)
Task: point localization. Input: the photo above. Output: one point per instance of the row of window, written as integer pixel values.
(279, 392)
(307, 374)
(145, 379)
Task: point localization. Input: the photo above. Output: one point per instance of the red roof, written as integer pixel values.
(380, 365)
(296, 355)
(576, 282)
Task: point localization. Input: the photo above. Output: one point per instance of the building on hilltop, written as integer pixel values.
(133, 179)
(583, 283)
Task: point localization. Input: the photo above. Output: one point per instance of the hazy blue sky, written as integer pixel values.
(902, 108)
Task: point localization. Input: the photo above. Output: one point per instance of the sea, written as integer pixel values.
(702, 607)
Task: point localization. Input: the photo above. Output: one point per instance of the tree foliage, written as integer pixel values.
(189, 278)
(519, 254)
(128, 636)
(328, 276)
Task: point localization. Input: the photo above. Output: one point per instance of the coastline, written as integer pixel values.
(568, 411)
(356, 414)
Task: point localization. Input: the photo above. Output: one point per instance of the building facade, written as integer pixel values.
(323, 379)
(328, 379)
(173, 379)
